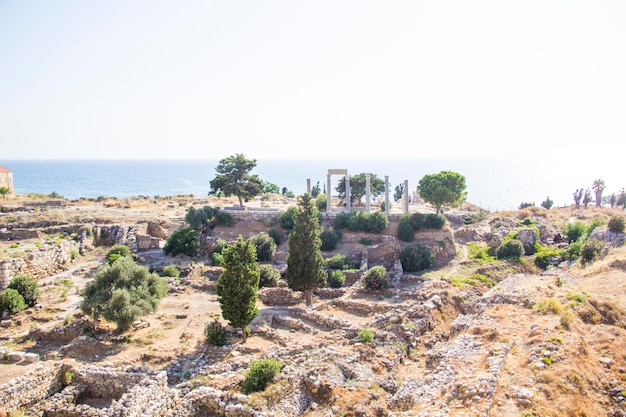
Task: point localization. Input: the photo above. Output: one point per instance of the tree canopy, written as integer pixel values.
(446, 188)
(123, 291)
(233, 178)
(304, 258)
(238, 284)
(358, 187)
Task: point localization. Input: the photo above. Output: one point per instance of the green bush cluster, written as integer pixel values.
(171, 271)
(27, 287)
(416, 257)
(216, 253)
(330, 238)
(406, 233)
(358, 221)
(376, 278)
(265, 246)
(366, 335)
(337, 279)
(510, 249)
(546, 257)
(616, 224)
(269, 276)
(123, 291)
(11, 301)
(321, 201)
(276, 235)
(215, 333)
(116, 252)
(421, 221)
(261, 372)
(183, 241)
(287, 219)
(591, 249)
(200, 219)
(339, 261)
(411, 223)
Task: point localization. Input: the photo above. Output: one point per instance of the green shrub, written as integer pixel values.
(287, 219)
(184, 241)
(276, 235)
(27, 287)
(573, 231)
(590, 251)
(215, 333)
(416, 257)
(11, 301)
(339, 261)
(269, 276)
(573, 251)
(382, 206)
(201, 219)
(330, 238)
(123, 291)
(224, 219)
(261, 372)
(434, 221)
(171, 271)
(320, 202)
(616, 224)
(376, 278)
(546, 257)
(511, 249)
(356, 221)
(265, 246)
(217, 259)
(406, 233)
(481, 252)
(337, 279)
(366, 335)
(116, 252)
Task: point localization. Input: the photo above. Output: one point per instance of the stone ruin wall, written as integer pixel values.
(47, 261)
(58, 389)
(54, 258)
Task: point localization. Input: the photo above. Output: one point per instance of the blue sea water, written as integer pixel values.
(492, 183)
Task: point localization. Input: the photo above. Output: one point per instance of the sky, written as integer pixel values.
(311, 79)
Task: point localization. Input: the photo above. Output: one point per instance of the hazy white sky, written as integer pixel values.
(310, 79)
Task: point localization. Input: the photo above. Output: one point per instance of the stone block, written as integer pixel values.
(15, 356)
(31, 357)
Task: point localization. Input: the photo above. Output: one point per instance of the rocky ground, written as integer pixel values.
(522, 342)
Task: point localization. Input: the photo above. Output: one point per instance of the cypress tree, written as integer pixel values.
(304, 258)
(238, 284)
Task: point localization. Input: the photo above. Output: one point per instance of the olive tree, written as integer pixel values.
(238, 284)
(305, 264)
(233, 178)
(123, 291)
(446, 188)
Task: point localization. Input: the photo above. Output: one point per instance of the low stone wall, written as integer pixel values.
(47, 261)
(279, 296)
(31, 388)
(129, 235)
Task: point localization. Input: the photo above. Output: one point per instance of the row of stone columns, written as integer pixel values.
(368, 194)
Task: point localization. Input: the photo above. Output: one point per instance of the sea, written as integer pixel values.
(493, 183)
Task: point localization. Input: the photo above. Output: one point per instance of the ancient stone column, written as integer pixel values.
(308, 186)
(405, 197)
(367, 193)
(387, 195)
(328, 206)
(347, 192)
